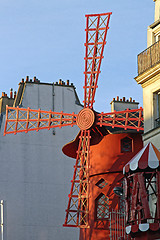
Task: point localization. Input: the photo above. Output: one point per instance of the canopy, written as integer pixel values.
(149, 156)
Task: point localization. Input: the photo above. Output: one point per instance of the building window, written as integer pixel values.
(151, 186)
(157, 108)
(102, 207)
(126, 145)
(101, 183)
(156, 37)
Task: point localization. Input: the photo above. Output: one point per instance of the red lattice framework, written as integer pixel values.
(78, 208)
(24, 120)
(97, 26)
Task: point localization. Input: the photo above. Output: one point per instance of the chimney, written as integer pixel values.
(67, 82)
(27, 78)
(11, 93)
(15, 94)
(123, 104)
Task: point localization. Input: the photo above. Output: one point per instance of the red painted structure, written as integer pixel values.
(100, 151)
(108, 156)
(142, 193)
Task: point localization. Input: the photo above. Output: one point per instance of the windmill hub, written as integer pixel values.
(85, 119)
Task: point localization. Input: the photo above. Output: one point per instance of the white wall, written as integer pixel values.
(34, 174)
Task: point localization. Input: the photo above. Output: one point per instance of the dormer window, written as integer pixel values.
(126, 145)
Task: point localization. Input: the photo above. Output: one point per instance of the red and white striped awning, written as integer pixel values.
(149, 156)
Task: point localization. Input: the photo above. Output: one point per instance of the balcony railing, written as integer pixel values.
(149, 57)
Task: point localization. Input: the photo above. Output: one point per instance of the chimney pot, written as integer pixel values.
(11, 93)
(30, 80)
(133, 100)
(121, 99)
(22, 80)
(113, 99)
(3, 94)
(27, 78)
(130, 99)
(15, 94)
(124, 99)
(117, 98)
(60, 81)
(68, 82)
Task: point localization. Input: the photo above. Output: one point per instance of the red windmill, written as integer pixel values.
(89, 122)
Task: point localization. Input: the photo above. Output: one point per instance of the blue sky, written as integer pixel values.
(46, 39)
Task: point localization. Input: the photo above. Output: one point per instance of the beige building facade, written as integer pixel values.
(149, 78)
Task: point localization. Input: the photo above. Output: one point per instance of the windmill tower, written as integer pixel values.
(105, 143)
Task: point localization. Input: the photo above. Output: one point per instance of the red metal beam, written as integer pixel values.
(25, 120)
(78, 209)
(96, 31)
(128, 119)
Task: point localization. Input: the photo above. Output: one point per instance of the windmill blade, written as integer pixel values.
(78, 204)
(25, 120)
(128, 119)
(96, 31)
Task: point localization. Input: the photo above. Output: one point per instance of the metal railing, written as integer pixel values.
(117, 225)
(149, 57)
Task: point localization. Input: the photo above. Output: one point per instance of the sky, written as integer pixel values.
(46, 39)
